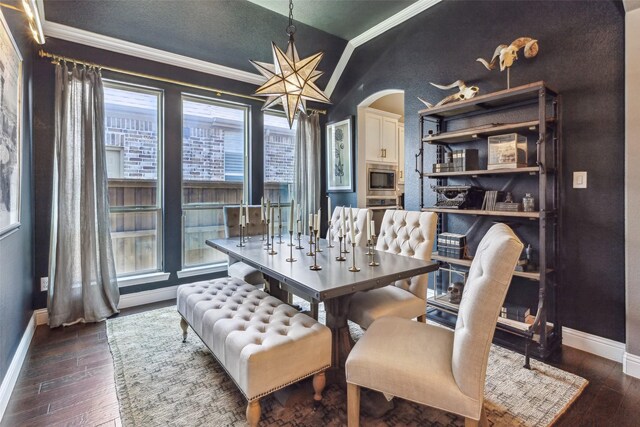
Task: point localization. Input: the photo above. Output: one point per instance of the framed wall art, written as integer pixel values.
(10, 131)
(340, 155)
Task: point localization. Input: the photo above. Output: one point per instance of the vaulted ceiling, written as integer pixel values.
(229, 32)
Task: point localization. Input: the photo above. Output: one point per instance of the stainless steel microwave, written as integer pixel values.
(382, 179)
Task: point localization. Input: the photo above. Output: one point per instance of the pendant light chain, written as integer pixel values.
(291, 29)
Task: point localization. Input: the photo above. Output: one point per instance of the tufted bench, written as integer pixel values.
(262, 343)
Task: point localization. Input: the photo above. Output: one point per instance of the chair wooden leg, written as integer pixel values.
(353, 405)
(253, 413)
(314, 310)
(319, 381)
(185, 327)
(422, 319)
(483, 418)
(470, 422)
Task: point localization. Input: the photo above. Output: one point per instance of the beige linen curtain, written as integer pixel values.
(306, 182)
(82, 277)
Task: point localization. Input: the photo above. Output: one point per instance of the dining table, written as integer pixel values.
(287, 270)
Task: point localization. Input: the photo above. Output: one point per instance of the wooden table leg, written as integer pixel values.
(337, 310)
(275, 291)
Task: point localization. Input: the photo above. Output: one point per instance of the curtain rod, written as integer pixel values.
(57, 58)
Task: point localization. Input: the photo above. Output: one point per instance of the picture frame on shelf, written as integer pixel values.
(10, 130)
(340, 177)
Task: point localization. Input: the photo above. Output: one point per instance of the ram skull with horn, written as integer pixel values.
(509, 54)
(464, 92)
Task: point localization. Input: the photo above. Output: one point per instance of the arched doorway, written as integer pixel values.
(380, 122)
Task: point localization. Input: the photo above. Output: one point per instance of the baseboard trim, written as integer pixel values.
(603, 347)
(148, 297)
(127, 300)
(10, 379)
(631, 365)
(42, 316)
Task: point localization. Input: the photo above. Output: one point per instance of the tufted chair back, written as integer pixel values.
(489, 277)
(359, 222)
(410, 234)
(232, 221)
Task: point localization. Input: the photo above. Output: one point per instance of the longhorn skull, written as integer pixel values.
(508, 54)
(464, 92)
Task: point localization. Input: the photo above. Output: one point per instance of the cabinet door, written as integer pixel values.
(400, 153)
(373, 127)
(389, 143)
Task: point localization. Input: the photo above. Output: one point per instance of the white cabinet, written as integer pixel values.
(400, 153)
(381, 136)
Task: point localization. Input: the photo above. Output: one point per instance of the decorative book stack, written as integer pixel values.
(452, 245)
(514, 312)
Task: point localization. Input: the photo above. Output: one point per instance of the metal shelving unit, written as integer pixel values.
(532, 109)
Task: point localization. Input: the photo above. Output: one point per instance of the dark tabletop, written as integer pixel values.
(334, 279)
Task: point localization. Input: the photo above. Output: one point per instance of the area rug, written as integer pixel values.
(162, 381)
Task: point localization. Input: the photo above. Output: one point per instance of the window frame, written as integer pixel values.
(194, 270)
(156, 274)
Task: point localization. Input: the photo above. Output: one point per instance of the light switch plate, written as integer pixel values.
(580, 179)
(44, 284)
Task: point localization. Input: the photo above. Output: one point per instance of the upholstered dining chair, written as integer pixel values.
(239, 269)
(406, 233)
(359, 223)
(433, 365)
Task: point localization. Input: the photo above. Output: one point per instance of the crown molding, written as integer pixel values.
(88, 38)
(340, 66)
(393, 21)
(373, 32)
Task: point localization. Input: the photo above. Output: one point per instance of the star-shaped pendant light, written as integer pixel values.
(290, 80)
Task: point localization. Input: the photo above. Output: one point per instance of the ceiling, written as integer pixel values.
(343, 18)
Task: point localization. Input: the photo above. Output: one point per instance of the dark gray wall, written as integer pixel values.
(226, 32)
(582, 57)
(43, 75)
(16, 249)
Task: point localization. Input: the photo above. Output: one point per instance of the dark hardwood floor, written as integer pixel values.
(67, 379)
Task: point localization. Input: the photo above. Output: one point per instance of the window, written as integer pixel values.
(214, 140)
(133, 139)
(279, 144)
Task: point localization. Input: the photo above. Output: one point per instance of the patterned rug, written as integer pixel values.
(161, 381)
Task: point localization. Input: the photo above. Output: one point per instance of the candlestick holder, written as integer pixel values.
(315, 266)
(241, 244)
(373, 262)
(299, 240)
(330, 243)
(267, 245)
(311, 252)
(317, 241)
(353, 267)
(272, 251)
(340, 257)
(280, 234)
(291, 258)
(369, 247)
(346, 245)
(264, 228)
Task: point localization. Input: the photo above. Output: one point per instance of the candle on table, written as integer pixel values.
(319, 216)
(373, 227)
(310, 220)
(344, 225)
(368, 225)
(340, 231)
(262, 208)
(292, 214)
(244, 221)
(246, 213)
(269, 213)
(240, 217)
(272, 223)
(279, 213)
(299, 226)
(329, 209)
(353, 229)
